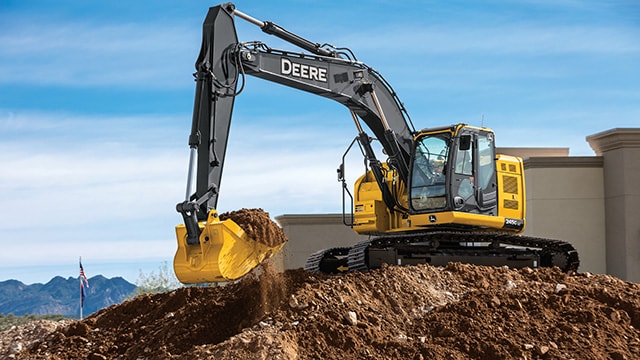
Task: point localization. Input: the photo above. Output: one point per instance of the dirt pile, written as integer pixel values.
(18, 338)
(257, 224)
(413, 312)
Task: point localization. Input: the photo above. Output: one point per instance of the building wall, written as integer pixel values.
(310, 233)
(620, 149)
(565, 201)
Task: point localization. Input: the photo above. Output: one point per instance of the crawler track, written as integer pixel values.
(331, 261)
(439, 248)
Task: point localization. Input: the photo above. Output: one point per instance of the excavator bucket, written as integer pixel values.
(225, 252)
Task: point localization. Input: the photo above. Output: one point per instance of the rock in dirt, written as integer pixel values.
(411, 312)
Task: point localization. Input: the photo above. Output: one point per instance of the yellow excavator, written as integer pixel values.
(441, 194)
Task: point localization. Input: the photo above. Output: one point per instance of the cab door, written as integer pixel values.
(473, 179)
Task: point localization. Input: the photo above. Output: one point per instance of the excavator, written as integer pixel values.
(439, 194)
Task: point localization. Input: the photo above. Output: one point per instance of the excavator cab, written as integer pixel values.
(456, 182)
(461, 157)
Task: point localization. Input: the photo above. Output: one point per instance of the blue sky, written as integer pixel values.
(96, 101)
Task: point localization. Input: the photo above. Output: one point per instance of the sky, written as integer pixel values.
(96, 101)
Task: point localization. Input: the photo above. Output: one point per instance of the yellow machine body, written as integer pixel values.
(373, 217)
(224, 252)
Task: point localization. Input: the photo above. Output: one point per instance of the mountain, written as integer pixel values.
(62, 296)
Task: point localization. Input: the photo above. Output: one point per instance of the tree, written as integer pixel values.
(163, 280)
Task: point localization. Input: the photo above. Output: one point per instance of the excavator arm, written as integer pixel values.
(211, 120)
(221, 67)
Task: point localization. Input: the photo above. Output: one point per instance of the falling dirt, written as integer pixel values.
(257, 224)
(412, 312)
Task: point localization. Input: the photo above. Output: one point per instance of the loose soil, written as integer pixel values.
(258, 226)
(411, 312)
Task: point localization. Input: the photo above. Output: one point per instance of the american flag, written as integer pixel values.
(83, 282)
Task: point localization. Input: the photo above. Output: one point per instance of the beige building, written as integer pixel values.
(592, 202)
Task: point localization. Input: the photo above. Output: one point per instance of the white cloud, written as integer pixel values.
(146, 55)
(283, 181)
(78, 54)
(285, 169)
(67, 251)
(500, 40)
(110, 202)
(71, 189)
(64, 177)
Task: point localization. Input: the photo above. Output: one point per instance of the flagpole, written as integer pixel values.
(80, 278)
(83, 282)
(80, 299)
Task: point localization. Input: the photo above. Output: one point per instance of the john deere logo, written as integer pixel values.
(303, 71)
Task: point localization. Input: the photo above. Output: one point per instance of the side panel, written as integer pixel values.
(511, 187)
(370, 214)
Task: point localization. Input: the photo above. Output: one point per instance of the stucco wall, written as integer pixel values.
(565, 201)
(310, 233)
(620, 149)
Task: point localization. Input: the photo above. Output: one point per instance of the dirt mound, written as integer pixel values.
(412, 312)
(257, 224)
(20, 337)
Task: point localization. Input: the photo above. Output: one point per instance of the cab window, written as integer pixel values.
(428, 185)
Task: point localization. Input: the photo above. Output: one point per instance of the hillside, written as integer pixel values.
(413, 312)
(62, 296)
